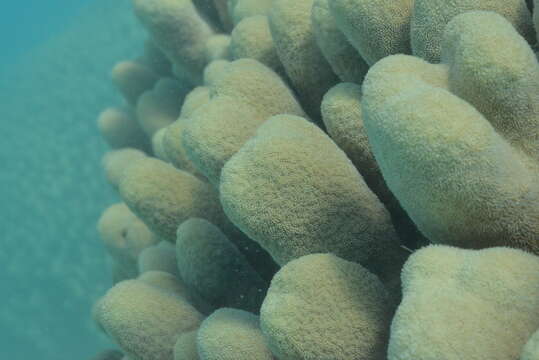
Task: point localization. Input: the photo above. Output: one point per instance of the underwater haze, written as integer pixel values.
(53, 82)
(270, 180)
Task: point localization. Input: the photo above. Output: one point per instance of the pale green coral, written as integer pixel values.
(178, 30)
(144, 320)
(321, 307)
(174, 149)
(214, 70)
(115, 162)
(216, 132)
(124, 237)
(341, 112)
(158, 257)
(375, 28)
(164, 197)
(218, 47)
(291, 189)
(186, 346)
(120, 129)
(132, 79)
(458, 142)
(160, 106)
(251, 38)
(242, 9)
(257, 85)
(430, 18)
(341, 55)
(309, 72)
(214, 267)
(231, 334)
(466, 304)
(194, 99)
(381, 28)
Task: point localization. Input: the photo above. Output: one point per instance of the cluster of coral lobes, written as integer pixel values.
(325, 180)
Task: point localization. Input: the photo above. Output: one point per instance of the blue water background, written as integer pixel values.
(54, 80)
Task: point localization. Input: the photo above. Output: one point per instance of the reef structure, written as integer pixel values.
(325, 180)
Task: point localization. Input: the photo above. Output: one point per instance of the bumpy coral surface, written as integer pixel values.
(251, 39)
(458, 143)
(430, 18)
(213, 266)
(261, 159)
(186, 346)
(342, 57)
(115, 162)
(375, 29)
(179, 31)
(320, 307)
(308, 70)
(164, 197)
(466, 304)
(341, 112)
(291, 189)
(231, 334)
(124, 237)
(216, 132)
(144, 320)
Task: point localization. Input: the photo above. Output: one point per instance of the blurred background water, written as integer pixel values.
(54, 80)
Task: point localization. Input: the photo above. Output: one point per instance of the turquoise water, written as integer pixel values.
(294, 187)
(53, 83)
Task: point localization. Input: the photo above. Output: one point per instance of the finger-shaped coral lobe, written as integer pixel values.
(232, 334)
(466, 304)
(218, 47)
(174, 149)
(158, 257)
(194, 99)
(178, 30)
(252, 39)
(160, 106)
(343, 58)
(351, 306)
(132, 79)
(124, 237)
(430, 18)
(119, 128)
(165, 281)
(164, 197)
(216, 132)
(115, 162)
(503, 86)
(375, 28)
(291, 189)
(465, 174)
(243, 9)
(145, 320)
(341, 112)
(292, 31)
(155, 59)
(257, 85)
(215, 268)
(186, 346)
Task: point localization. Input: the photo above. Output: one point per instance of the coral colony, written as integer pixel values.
(325, 180)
